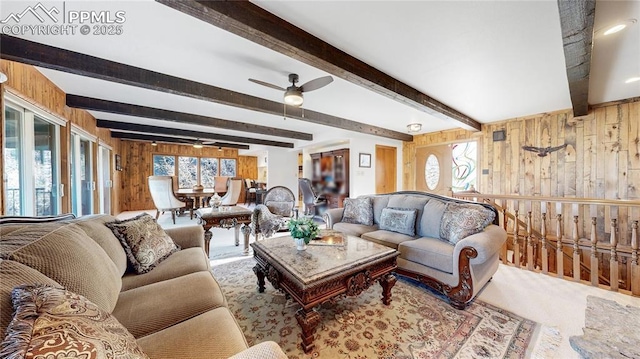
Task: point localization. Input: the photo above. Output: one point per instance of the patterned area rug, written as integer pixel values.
(417, 324)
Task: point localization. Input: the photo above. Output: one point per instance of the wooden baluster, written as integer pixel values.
(559, 258)
(516, 243)
(576, 250)
(594, 253)
(635, 266)
(613, 260)
(530, 259)
(545, 254)
(505, 221)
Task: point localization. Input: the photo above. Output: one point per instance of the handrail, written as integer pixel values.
(517, 197)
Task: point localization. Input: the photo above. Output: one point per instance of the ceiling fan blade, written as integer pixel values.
(316, 84)
(267, 84)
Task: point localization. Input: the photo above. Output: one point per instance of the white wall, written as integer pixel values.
(282, 169)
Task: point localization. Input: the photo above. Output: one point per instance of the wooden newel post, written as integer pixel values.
(576, 250)
(613, 260)
(559, 258)
(505, 220)
(543, 239)
(530, 259)
(516, 243)
(635, 266)
(594, 253)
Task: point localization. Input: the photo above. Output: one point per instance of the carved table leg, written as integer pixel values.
(257, 269)
(236, 229)
(246, 231)
(308, 320)
(387, 282)
(207, 239)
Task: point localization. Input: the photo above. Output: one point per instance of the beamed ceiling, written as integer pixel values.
(179, 70)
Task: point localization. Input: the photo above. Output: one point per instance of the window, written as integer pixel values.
(208, 170)
(31, 160)
(228, 167)
(164, 165)
(464, 157)
(432, 172)
(192, 171)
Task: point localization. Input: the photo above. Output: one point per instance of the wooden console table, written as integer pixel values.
(226, 217)
(321, 273)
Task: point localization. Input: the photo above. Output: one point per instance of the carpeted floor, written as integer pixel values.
(417, 324)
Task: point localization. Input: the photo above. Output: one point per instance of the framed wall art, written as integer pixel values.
(365, 160)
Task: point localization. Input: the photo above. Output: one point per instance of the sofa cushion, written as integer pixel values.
(379, 203)
(64, 253)
(358, 211)
(431, 252)
(13, 274)
(154, 307)
(212, 334)
(182, 262)
(387, 238)
(354, 229)
(399, 220)
(416, 202)
(461, 220)
(94, 226)
(431, 218)
(144, 241)
(52, 322)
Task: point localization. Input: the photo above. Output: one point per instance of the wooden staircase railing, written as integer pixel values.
(605, 256)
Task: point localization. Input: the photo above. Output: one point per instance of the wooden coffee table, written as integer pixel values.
(321, 273)
(226, 217)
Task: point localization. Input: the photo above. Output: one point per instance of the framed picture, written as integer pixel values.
(365, 160)
(118, 163)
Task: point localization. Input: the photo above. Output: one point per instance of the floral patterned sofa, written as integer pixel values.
(448, 244)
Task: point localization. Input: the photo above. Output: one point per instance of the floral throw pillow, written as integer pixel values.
(400, 220)
(462, 220)
(145, 242)
(52, 322)
(358, 210)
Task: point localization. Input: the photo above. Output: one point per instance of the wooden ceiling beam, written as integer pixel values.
(576, 22)
(262, 27)
(87, 103)
(36, 54)
(157, 130)
(166, 139)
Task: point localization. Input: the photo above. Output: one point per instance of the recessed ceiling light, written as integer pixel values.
(632, 79)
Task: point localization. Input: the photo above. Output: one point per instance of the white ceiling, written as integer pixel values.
(491, 60)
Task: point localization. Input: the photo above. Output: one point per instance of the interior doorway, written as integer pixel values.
(386, 169)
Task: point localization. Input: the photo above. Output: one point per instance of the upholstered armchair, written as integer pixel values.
(280, 200)
(161, 188)
(265, 223)
(313, 204)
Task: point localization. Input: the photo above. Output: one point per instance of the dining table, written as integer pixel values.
(195, 194)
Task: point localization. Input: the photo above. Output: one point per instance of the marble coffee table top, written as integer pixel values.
(317, 262)
(222, 211)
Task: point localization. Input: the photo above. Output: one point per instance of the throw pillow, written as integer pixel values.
(52, 322)
(358, 210)
(461, 220)
(144, 241)
(401, 220)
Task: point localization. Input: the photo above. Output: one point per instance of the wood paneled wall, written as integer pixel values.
(28, 83)
(601, 160)
(247, 168)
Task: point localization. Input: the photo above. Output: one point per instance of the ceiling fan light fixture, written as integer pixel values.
(414, 127)
(293, 97)
(197, 144)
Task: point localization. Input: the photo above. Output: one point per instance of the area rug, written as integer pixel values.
(417, 323)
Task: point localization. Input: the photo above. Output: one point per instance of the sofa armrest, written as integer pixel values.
(187, 237)
(332, 216)
(486, 243)
(264, 350)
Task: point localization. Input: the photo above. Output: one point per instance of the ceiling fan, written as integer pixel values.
(293, 94)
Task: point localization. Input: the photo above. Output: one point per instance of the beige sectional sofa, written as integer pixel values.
(440, 247)
(176, 310)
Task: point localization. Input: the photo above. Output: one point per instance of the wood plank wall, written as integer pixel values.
(247, 168)
(27, 82)
(601, 160)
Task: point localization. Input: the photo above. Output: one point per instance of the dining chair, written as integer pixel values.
(234, 188)
(314, 204)
(161, 188)
(249, 191)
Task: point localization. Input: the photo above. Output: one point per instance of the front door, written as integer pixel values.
(433, 169)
